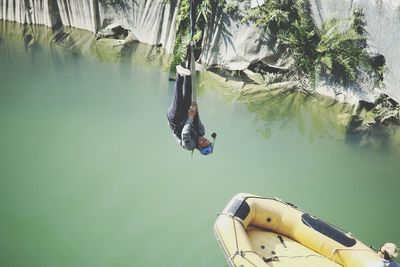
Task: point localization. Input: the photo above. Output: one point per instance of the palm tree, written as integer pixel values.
(335, 52)
(341, 50)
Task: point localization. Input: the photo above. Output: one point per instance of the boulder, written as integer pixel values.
(373, 122)
(113, 31)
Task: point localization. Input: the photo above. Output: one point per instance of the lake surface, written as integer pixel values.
(90, 174)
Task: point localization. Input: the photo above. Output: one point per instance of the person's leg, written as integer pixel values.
(177, 99)
(187, 101)
(187, 94)
(183, 88)
(182, 98)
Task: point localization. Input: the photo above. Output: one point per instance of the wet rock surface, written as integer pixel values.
(113, 31)
(374, 123)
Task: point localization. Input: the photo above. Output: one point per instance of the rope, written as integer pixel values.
(193, 70)
(236, 240)
(242, 253)
(191, 45)
(337, 250)
(239, 252)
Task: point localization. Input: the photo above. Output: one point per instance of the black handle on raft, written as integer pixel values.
(274, 258)
(282, 241)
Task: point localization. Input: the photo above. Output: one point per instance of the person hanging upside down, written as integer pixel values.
(183, 116)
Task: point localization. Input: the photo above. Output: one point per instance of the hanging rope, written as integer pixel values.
(191, 46)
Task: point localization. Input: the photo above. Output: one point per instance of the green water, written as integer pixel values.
(90, 174)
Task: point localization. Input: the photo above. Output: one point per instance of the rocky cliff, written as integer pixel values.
(227, 41)
(151, 21)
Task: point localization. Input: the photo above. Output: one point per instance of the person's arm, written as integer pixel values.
(192, 114)
(188, 142)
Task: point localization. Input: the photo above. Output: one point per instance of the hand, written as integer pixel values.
(192, 110)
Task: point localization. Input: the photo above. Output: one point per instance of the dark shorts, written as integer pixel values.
(181, 100)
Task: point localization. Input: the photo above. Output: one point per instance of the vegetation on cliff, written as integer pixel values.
(335, 52)
(203, 12)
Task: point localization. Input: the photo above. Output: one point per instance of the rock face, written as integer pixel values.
(113, 31)
(227, 42)
(382, 24)
(231, 44)
(80, 13)
(152, 22)
(234, 46)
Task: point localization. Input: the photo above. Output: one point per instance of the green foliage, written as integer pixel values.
(335, 52)
(340, 51)
(182, 35)
(203, 13)
(358, 22)
(204, 10)
(230, 8)
(272, 16)
(183, 14)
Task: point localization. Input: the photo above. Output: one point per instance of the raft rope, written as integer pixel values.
(337, 249)
(334, 251)
(274, 258)
(242, 253)
(238, 251)
(236, 239)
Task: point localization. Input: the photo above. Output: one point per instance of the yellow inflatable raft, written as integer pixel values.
(257, 231)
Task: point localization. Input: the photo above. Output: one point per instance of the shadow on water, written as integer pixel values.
(325, 118)
(80, 43)
(377, 137)
(375, 125)
(311, 114)
(307, 113)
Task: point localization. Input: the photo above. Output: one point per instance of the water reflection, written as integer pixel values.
(86, 150)
(375, 136)
(310, 114)
(80, 43)
(281, 106)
